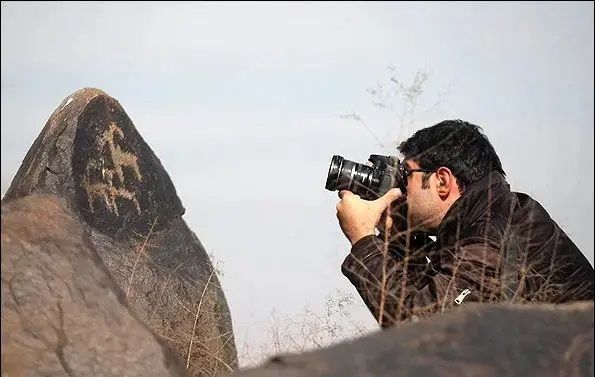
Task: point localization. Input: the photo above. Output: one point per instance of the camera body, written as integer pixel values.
(369, 182)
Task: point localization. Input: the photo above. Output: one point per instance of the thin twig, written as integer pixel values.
(384, 262)
(196, 318)
(140, 252)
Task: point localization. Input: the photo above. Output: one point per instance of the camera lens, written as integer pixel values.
(333, 173)
(348, 175)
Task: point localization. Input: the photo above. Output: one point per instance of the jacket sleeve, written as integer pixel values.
(396, 285)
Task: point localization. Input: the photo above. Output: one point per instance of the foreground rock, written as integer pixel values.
(479, 340)
(62, 314)
(91, 155)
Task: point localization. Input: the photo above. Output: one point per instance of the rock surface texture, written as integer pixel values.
(62, 314)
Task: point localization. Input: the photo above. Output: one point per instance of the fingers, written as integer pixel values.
(387, 199)
(348, 196)
(387, 222)
(342, 193)
(390, 196)
(346, 193)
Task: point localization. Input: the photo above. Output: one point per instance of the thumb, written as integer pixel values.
(389, 197)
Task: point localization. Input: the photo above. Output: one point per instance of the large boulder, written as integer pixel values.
(91, 155)
(479, 340)
(62, 314)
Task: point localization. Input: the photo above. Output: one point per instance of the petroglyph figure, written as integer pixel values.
(106, 190)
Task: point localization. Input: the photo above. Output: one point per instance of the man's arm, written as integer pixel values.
(396, 285)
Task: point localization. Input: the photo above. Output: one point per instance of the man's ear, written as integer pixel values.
(445, 182)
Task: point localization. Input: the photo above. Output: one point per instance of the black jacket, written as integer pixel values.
(493, 245)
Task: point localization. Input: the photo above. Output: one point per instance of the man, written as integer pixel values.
(491, 244)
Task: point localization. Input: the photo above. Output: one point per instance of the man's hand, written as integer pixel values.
(359, 218)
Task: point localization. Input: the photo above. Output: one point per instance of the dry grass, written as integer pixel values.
(307, 330)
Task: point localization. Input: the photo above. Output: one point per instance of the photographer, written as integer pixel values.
(491, 244)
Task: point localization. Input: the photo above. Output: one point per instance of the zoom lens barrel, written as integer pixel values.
(348, 175)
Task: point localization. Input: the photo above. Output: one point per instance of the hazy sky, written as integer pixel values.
(243, 104)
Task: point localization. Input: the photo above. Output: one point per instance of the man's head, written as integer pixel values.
(458, 154)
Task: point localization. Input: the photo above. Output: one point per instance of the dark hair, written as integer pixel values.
(458, 145)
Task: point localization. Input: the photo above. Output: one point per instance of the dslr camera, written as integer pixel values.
(368, 181)
(373, 181)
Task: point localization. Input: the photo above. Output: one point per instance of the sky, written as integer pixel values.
(245, 104)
